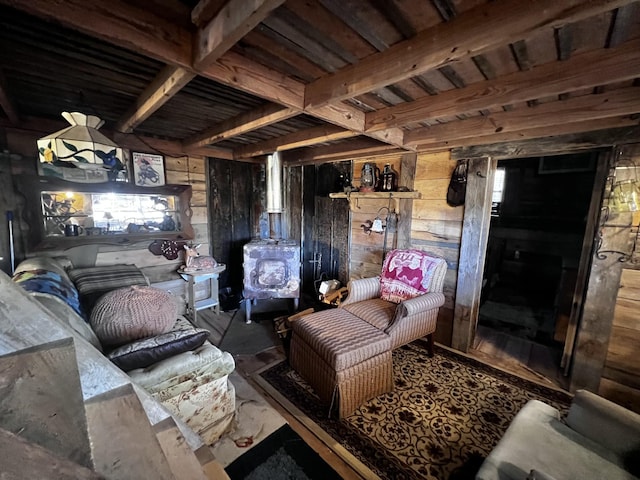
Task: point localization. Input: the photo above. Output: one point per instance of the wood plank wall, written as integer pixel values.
(620, 381)
(435, 227)
(366, 251)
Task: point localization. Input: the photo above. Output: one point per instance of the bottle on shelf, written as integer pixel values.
(389, 179)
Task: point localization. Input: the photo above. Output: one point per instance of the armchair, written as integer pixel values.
(407, 320)
(345, 353)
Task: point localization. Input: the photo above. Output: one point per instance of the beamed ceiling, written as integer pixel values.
(322, 79)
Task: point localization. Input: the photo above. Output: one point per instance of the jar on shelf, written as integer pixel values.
(389, 179)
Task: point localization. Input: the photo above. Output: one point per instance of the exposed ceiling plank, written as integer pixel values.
(231, 69)
(353, 148)
(561, 143)
(531, 133)
(205, 10)
(5, 101)
(141, 143)
(578, 109)
(504, 21)
(169, 81)
(119, 23)
(302, 138)
(166, 147)
(231, 23)
(546, 119)
(243, 123)
(143, 32)
(584, 70)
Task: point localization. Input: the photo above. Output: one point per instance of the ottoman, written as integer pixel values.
(345, 359)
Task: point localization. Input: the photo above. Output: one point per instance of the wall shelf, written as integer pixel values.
(354, 197)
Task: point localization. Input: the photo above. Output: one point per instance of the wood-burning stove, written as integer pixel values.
(272, 265)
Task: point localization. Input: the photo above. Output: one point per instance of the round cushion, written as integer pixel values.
(131, 313)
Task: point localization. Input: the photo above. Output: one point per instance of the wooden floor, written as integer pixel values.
(518, 356)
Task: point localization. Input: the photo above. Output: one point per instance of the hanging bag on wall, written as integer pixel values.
(458, 185)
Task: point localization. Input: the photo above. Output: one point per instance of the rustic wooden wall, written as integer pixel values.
(437, 227)
(621, 376)
(366, 251)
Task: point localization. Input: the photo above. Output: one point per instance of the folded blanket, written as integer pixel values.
(51, 283)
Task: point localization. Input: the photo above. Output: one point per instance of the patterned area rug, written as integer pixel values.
(444, 417)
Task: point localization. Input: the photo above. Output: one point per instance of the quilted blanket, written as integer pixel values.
(51, 283)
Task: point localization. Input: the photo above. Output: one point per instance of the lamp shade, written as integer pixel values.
(81, 145)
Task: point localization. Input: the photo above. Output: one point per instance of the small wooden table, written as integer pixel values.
(210, 275)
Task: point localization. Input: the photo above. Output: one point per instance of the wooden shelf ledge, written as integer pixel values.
(353, 197)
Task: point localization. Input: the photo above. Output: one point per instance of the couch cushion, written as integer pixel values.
(537, 439)
(406, 274)
(131, 313)
(183, 337)
(377, 312)
(93, 282)
(340, 338)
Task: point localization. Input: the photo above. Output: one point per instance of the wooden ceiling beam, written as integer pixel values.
(143, 32)
(625, 101)
(5, 101)
(169, 81)
(579, 140)
(245, 122)
(230, 24)
(503, 22)
(586, 70)
(205, 10)
(119, 23)
(302, 138)
(357, 147)
(532, 133)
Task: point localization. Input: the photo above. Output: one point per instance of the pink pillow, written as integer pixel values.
(406, 274)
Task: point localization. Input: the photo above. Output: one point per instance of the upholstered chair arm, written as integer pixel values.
(362, 289)
(415, 318)
(421, 303)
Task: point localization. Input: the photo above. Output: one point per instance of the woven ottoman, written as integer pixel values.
(345, 359)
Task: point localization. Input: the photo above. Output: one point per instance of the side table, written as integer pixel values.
(211, 300)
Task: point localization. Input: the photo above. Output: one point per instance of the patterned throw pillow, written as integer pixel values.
(406, 274)
(131, 313)
(183, 337)
(93, 282)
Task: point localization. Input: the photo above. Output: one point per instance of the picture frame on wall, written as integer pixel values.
(148, 169)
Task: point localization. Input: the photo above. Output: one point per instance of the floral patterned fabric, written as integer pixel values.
(406, 274)
(446, 414)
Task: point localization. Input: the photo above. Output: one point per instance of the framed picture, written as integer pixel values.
(148, 169)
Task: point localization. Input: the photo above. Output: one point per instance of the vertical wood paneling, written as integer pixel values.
(232, 201)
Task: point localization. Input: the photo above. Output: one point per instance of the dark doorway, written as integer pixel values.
(539, 215)
(325, 226)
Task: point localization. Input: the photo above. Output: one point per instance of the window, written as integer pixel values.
(498, 190)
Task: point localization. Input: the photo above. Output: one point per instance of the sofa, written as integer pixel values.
(180, 368)
(345, 354)
(598, 439)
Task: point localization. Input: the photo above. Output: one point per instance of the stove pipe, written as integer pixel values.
(274, 195)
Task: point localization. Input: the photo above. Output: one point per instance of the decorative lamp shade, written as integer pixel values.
(81, 144)
(625, 197)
